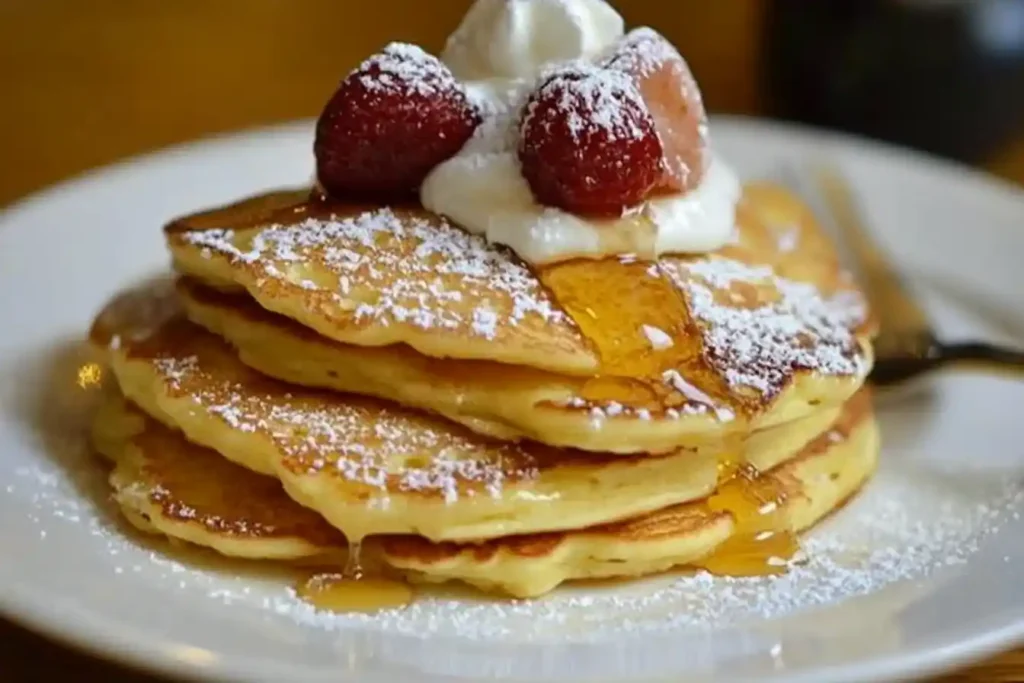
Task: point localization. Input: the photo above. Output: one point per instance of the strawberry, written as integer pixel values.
(587, 142)
(673, 98)
(391, 121)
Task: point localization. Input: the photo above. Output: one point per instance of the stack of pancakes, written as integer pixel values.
(322, 375)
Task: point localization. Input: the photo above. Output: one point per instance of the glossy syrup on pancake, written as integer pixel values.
(762, 543)
(362, 591)
(821, 477)
(165, 484)
(703, 339)
(346, 455)
(742, 494)
(190, 493)
(625, 308)
(653, 323)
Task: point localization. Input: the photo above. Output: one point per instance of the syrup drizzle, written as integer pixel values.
(617, 303)
(762, 543)
(623, 308)
(354, 589)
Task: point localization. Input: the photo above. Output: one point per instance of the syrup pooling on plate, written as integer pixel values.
(336, 592)
(358, 587)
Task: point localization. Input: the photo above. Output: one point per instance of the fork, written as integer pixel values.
(907, 345)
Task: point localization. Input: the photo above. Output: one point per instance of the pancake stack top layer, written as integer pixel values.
(480, 413)
(755, 334)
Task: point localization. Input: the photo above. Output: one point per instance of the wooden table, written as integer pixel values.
(85, 83)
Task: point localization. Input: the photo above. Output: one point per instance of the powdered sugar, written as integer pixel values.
(896, 533)
(585, 100)
(363, 442)
(759, 345)
(602, 112)
(920, 532)
(643, 51)
(402, 69)
(697, 398)
(396, 270)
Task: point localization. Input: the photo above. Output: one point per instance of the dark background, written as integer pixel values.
(87, 82)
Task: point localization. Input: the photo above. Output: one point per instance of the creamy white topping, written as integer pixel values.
(516, 38)
(482, 189)
(502, 48)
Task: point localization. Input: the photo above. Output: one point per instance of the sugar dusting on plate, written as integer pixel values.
(899, 530)
(914, 520)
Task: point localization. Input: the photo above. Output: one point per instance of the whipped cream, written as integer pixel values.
(517, 38)
(501, 50)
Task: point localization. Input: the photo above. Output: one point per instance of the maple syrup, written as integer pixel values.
(611, 302)
(335, 592)
(639, 324)
(89, 375)
(762, 542)
(353, 589)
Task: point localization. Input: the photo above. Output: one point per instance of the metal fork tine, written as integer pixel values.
(897, 310)
(906, 345)
(903, 322)
(789, 175)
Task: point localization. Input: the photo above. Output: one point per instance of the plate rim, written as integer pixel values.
(92, 634)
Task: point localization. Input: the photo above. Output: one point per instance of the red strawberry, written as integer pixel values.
(588, 143)
(674, 100)
(390, 122)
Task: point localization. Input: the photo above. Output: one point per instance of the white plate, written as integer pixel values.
(920, 573)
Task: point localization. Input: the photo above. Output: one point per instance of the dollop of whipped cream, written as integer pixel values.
(501, 50)
(517, 38)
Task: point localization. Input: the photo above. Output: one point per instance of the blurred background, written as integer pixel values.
(88, 82)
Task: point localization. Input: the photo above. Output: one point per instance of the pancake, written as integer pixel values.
(173, 487)
(764, 329)
(165, 485)
(401, 274)
(821, 478)
(371, 467)
(493, 399)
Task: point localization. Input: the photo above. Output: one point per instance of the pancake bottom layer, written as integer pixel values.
(168, 485)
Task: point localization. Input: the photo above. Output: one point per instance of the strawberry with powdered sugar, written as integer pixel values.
(391, 121)
(587, 142)
(541, 155)
(674, 101)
